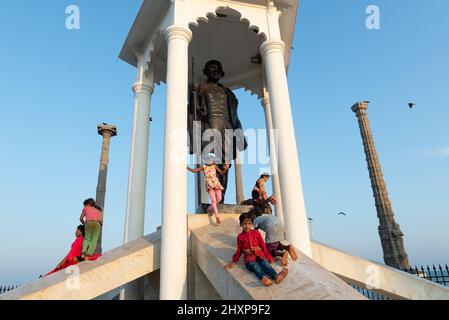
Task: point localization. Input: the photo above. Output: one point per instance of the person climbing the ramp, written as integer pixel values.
(92, 218)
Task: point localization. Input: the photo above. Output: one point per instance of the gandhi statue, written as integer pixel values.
(215, 107)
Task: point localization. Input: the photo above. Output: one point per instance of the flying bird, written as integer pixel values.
(342, 214)
(411, 104)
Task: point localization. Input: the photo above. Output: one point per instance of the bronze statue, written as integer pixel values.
(215, 107)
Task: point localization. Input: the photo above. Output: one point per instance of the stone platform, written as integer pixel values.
(224, 208)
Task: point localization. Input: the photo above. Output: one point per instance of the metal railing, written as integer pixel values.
(438, 274)
(4, 289)
(370, 294)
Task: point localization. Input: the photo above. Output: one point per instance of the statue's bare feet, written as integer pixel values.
(284, 259)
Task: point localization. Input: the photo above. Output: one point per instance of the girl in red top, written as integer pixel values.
(74, 256)
(257, 258)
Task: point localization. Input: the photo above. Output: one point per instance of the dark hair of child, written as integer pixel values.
(81, 228)
(89, 202)
(243, 217)
(255, 194)
(254, 213)
(98, 208)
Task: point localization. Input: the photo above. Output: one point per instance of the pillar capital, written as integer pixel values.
(106, 129)
(175, 32)
(265, 101)
(360, 107)
(143, 87)
(272, 46)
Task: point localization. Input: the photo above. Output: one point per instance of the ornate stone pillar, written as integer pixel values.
(293, 206)
(273, 155)
(173, 285)
(106, 131)
(390, 233)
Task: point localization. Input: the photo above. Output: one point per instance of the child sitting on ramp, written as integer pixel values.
(257, 258)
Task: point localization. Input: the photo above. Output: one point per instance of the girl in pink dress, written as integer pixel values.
(213, 185)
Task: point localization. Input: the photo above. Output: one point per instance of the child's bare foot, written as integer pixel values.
(284, 259)
(218, 220)
(266, 282)
(281, 276)
(291, 250)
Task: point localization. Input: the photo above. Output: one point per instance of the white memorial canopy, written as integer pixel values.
(228, 31)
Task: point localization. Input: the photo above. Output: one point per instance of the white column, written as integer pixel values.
(273, 155)
(173, 285)
(135, 206)
(293, 206)
(137, 181)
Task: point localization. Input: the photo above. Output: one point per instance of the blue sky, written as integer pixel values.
(57, 85)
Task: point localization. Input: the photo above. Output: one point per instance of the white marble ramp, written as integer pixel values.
(213, 247)
(90, 279)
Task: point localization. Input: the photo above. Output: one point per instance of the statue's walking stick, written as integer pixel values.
(196, 131)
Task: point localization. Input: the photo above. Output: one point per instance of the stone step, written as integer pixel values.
(225, 208)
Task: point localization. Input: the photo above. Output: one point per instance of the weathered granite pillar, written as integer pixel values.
(390, 233)
(107, 132)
